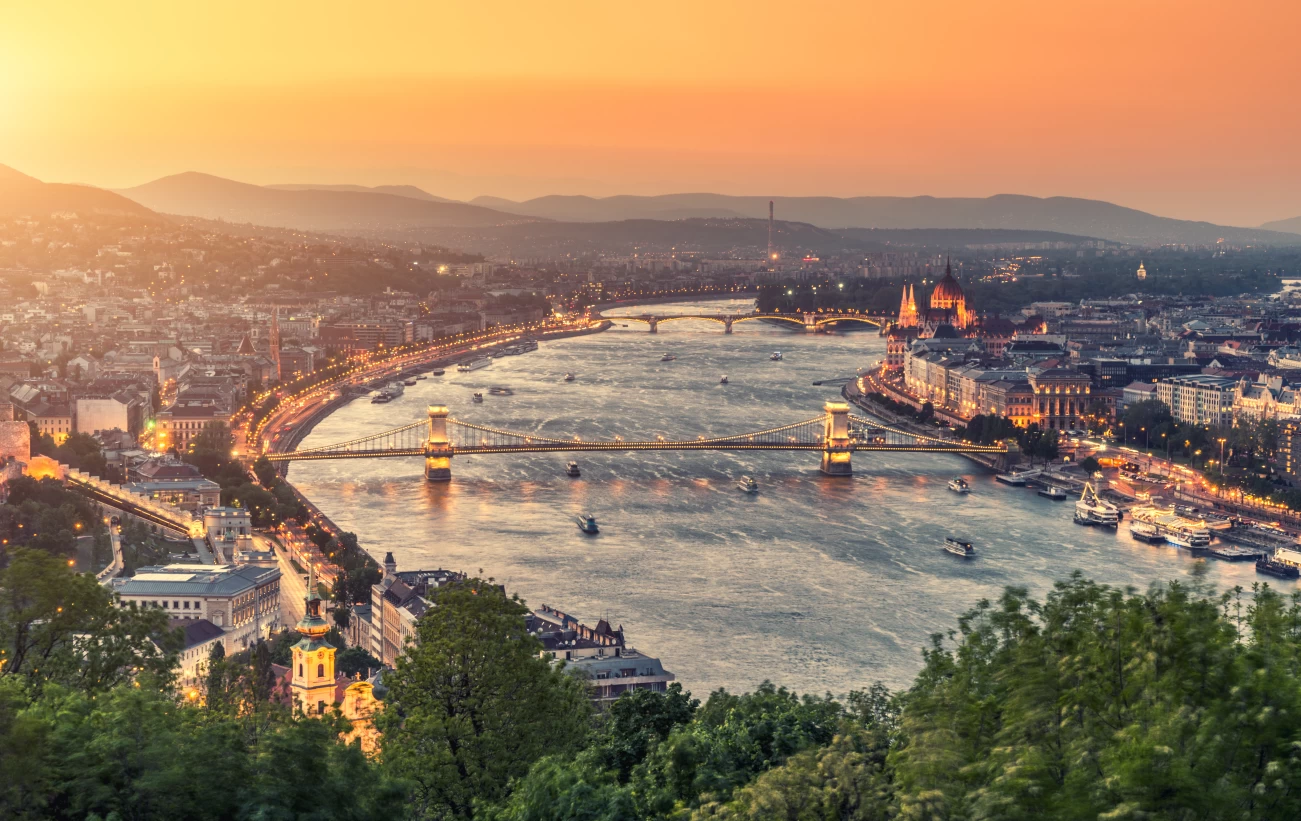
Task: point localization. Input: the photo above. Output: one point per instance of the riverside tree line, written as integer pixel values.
(1176, 702)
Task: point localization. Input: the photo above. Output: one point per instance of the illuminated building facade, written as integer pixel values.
(1061, 397)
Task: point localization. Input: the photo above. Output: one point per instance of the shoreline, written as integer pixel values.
(303, 428)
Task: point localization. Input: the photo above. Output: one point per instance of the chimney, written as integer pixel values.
(771, 255)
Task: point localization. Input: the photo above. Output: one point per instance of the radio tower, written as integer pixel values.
(771, 256)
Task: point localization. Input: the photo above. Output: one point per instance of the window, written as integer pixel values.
(300, 671)
(320, 671)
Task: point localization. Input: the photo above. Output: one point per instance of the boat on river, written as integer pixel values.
(438, 371)
(776, 356)
(389, 392)
(748, 484)
(668, 357)
(569, 377)
(723, 381)
(1016, 479)
(960, 547)
(1277, 569)
(476, 397)
(1144, 532)
(1092, 510)
(571, 469)
(1053, 492)
(587, 523)
(1189, 541)
(474, 364)
(959, 485)
(1190, 534)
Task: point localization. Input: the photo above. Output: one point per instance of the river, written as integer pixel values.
(816, 583)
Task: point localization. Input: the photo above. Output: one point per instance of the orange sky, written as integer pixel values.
(1189, 109)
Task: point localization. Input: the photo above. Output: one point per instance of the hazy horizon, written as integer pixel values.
(1182, 112)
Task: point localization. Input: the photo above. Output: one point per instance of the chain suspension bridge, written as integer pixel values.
(836, 434)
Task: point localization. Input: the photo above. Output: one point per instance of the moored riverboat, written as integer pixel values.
(1093, 511)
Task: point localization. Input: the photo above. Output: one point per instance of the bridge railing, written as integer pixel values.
(470, 437)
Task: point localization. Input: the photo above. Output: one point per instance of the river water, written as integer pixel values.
(816, 583)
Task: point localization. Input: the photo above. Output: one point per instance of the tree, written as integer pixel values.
(845, 780)
(639, 720)
(559, 790)
(266, 472)
(732, 739)
(217, 680)
(354, 660)
(473, 703)
(61, 627)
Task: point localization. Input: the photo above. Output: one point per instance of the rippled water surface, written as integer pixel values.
(816, 583)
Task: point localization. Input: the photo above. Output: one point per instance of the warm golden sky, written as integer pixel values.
(1189, 108)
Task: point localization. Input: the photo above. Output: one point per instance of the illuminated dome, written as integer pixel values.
(949, 303)
(948, 292)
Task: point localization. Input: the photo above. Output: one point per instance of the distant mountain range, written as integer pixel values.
(330, 208)
(715, 236)
(21, 195)
(401, 210)
(1290, 225)
(398, 190)
(1068, 215)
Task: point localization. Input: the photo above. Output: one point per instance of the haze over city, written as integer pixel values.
(1185, 110)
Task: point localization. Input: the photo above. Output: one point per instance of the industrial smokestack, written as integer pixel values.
(771, 256)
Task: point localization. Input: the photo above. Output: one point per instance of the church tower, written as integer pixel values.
(1142, 270)
(907, 309)
(313, 683)
(275, 341)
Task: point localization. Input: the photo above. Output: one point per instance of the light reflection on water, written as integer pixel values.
(820, 584)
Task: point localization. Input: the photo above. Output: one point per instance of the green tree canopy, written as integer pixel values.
(473, 703)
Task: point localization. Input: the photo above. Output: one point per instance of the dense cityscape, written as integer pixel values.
(385, 435)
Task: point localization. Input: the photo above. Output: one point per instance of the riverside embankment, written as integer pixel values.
(297, 414)
(814, 582)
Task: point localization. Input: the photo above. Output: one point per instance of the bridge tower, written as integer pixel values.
(438, 448)
(811, 324)
(654, 324)
(727, 324)
(837, 450)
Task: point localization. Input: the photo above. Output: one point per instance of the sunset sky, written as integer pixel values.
(1189, 109)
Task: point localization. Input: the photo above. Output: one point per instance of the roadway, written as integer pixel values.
(293, 585)
(293, 413)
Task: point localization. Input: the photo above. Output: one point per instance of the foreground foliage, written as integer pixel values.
(1095, 703)
(1176, 703)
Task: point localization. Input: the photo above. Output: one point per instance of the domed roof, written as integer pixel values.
(948, 288)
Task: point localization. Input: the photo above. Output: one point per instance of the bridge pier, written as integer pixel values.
(727, 324)
(654, 324)
(438, 449)
(810, 323)
(837, 449)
